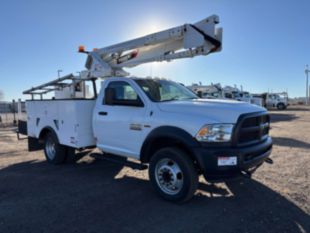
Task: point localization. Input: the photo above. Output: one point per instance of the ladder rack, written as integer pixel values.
(57, 84)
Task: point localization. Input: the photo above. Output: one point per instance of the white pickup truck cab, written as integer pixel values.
(158, 122)
(277, 100)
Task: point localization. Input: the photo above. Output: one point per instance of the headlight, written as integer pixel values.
(215, 133)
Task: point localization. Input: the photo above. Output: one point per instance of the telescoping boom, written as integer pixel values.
(188, 40)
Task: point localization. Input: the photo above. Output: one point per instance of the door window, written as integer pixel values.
(124, 94)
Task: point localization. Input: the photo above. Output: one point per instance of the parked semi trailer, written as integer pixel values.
(160, 123)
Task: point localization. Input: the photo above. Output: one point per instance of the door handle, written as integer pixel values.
(103, 113)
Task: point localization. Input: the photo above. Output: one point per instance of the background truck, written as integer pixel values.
(216, 91)
(277, 100)
(154, 121)
(274, 100)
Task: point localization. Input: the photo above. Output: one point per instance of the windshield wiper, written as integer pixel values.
(172, 99)
(175, 98)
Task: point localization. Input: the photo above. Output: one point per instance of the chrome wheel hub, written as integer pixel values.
(169, 176)
(50, 149)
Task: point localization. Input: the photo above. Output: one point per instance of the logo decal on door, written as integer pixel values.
(135, 127)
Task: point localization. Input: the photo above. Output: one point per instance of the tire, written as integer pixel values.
(54, 152)
(173, 175)
(281, 106)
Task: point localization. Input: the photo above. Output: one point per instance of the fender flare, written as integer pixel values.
(173, 133)
(45, 130)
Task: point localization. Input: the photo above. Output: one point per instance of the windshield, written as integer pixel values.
(274, 96)
(247, 95)
(214, 95)
(164, 90)
(236, 94)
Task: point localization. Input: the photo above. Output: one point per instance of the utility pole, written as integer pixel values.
(307, 86)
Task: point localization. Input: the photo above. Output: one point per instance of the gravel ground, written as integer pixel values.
(99, 196)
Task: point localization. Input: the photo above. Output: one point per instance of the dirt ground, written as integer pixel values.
(99, 196)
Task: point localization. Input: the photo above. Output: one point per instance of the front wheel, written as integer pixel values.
(173, 175)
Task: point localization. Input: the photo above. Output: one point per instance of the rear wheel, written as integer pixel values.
(173, 175)
(54, 152)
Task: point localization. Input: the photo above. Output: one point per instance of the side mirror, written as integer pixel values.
(109, 96)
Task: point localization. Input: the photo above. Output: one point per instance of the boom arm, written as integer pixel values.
(189, 40)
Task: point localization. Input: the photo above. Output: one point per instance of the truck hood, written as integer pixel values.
(221, 111)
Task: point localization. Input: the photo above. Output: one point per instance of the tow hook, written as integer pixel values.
(269, 160)
(247, 174)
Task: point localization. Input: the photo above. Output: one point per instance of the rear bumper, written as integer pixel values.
(248, 158)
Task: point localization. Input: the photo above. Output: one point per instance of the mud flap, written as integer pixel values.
(22, 127)
(34, 144)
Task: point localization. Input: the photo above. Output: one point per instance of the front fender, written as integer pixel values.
(166, 133)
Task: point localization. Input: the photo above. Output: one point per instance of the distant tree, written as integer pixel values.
(1, 95)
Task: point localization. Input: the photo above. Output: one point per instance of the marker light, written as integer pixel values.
(134, 54)
(81, 49)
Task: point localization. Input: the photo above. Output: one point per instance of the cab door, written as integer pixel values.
(119, 122)
(271, 100)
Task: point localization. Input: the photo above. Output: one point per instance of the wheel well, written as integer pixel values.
(163, 142)
(281, 105)
(44, 132)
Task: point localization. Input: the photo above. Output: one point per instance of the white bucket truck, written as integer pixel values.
(157, 122)
(274, 100)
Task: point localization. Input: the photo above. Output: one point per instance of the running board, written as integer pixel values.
(119, 160)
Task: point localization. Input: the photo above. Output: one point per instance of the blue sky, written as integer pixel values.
(266, 44)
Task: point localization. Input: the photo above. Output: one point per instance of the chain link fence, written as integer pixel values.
(11, 112)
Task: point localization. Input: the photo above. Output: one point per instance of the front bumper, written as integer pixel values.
(248, 158)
